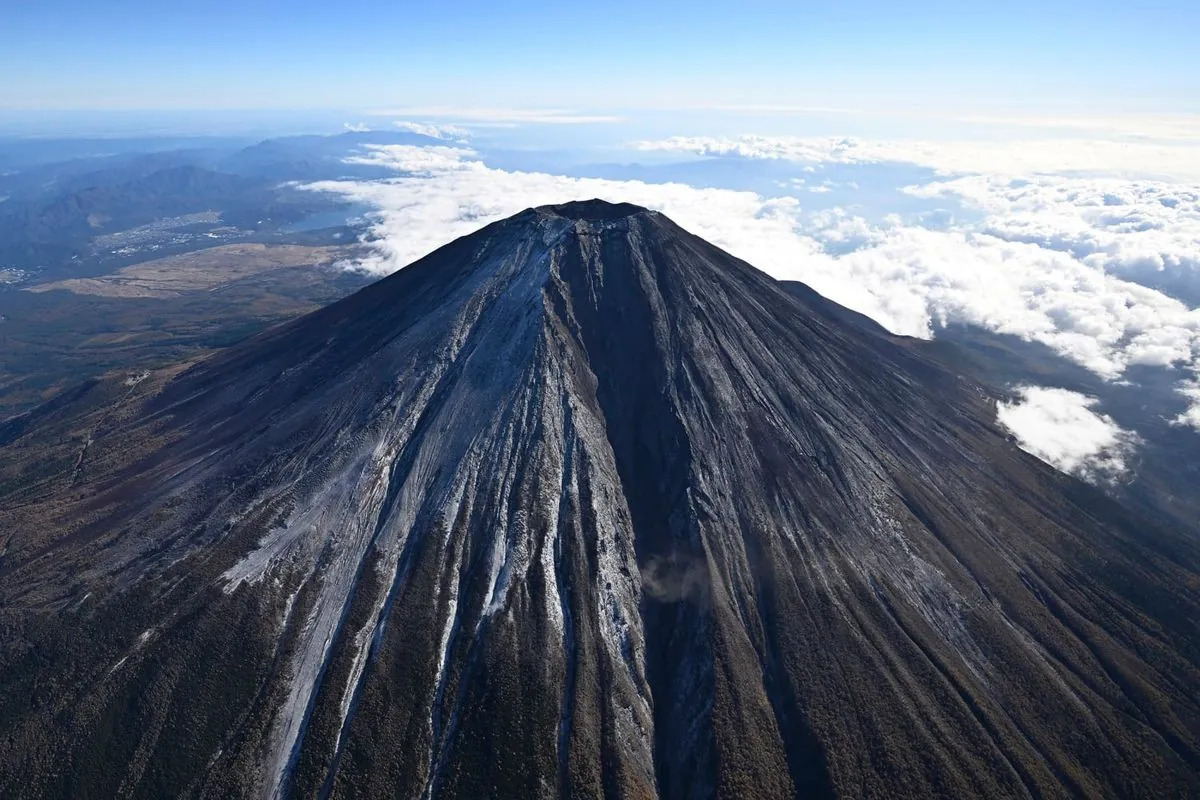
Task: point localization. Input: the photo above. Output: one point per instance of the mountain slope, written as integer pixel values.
(581, 505)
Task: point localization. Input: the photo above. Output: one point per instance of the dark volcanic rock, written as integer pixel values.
(580, 505)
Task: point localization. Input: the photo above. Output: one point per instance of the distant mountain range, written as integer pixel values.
(53, 209)
(578, 506)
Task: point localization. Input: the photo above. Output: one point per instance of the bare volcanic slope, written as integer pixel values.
(582, 506)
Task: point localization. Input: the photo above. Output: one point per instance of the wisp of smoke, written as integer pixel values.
(676, 578)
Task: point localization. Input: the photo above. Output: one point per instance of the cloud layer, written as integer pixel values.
(1009, 158)
(1047, 259)
(433, 131)
(1141, 229)
(1060, 428)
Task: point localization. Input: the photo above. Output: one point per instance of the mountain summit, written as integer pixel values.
(580, 505)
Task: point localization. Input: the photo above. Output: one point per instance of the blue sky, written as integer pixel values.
(1036, 56)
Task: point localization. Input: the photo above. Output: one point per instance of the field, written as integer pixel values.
(199, 271)
(57, 335)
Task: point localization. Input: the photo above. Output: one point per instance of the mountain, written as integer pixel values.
(72, 217)
(315, 157)
(52, 211)
(1165, 465)
(578, 505)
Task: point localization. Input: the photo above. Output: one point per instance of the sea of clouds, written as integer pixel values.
(1090, 247)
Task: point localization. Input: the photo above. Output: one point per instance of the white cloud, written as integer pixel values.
(452, 132)
(1145, 230)
(355, 127)
(1191, 390)
(1162, 127)
(449, 194)
(500, 116)
(1093, 156)
(905, 276)
(1178, 127)
(1060, 428)
(918, 275)
(417, 160)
